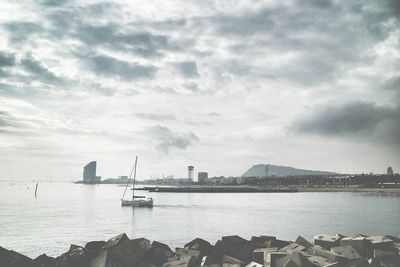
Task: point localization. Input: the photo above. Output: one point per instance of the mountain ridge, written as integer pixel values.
(267, 170)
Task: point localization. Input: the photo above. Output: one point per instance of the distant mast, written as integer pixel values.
(37, 183)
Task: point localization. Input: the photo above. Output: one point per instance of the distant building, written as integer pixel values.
(389, 171)
(247, 180)
(222, 180)
(89, 172)
(190, 173)
(202, 177)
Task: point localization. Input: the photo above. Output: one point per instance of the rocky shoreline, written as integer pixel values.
(229, 251)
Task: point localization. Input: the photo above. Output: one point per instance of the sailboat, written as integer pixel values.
(137, 201)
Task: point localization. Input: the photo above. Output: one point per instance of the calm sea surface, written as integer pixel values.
(66, 213)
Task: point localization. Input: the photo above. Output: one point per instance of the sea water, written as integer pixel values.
(67, 213)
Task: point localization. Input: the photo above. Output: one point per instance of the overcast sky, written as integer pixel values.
(220, 85)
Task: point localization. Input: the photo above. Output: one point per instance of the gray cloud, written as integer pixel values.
(187, 69)
(99, 89)
(39, 125)
(10, 124)
(317, 42)
(167, 24)
(144, 39)
(52, 3)
(244, 24)
(142, 43)
(155, 116)
(393, 84)
(314, 32)
(171, 140)
(96, 34)
(62, 21)
(22, 30)
(5, 119)
(6, 59)
(39, 71)
(192, 87)
(22, 90)
(355, 119)
(213, 114)
(72, 22)
(111, 67)
(282, 21)
(147, 52)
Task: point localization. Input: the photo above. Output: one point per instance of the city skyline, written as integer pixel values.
(220, 85)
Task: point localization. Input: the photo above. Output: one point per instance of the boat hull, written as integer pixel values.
(137, 203)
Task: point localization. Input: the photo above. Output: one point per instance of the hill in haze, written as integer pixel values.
(262, 170)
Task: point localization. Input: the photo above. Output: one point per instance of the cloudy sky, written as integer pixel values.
(221, 85)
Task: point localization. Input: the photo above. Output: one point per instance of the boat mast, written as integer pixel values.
(134, 181)
(129, 179)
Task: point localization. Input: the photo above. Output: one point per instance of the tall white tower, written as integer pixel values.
(389, 171)
(190, 173)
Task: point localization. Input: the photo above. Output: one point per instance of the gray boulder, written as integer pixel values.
(76, 256)
(272, 257)
(106, 259)
(346, 251)
(304, 242)
(262, 241)
(320, 251)
(10, 258)
(44, 261)
(201, 245)
(327, 241)
(260, 254)
(158, 254)
(293, 247)
(294, 259)
(380, 242)
(319, 261)
(360, 244)
(254, 264)
(95, 247)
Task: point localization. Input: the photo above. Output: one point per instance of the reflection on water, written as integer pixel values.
(65, 213)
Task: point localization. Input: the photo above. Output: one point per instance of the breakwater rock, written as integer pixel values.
(229, 251)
